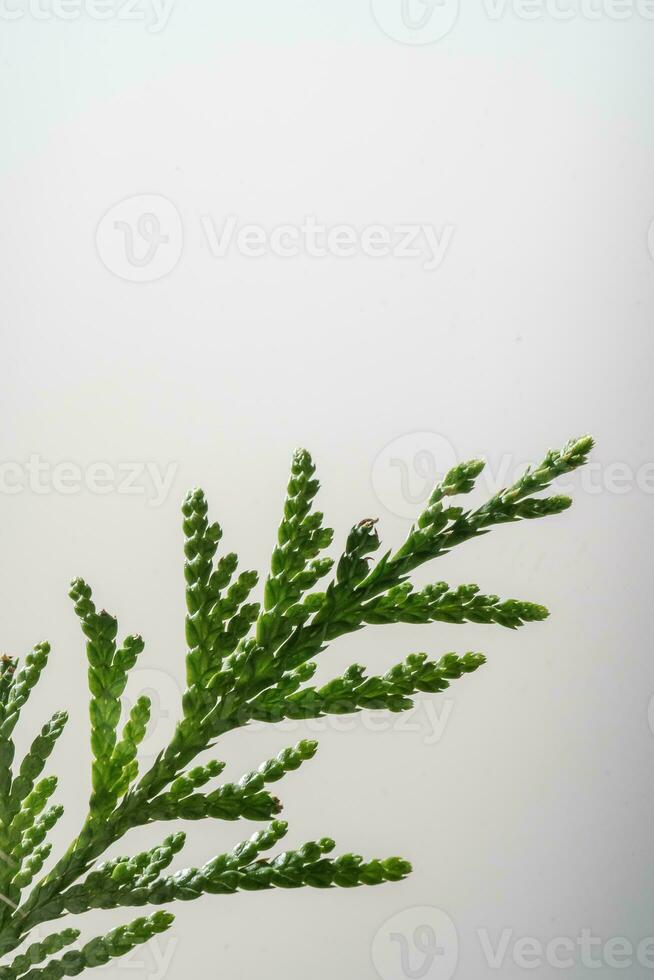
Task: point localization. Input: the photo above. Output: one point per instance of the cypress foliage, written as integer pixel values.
(245, 661)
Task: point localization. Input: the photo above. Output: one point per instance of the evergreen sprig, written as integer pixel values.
(245, 661)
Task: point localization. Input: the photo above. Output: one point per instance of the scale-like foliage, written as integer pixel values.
(245, 662)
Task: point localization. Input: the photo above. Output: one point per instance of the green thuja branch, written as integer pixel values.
(97, 952)
(245, 661)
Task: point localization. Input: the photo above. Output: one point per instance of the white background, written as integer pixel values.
(532, 140)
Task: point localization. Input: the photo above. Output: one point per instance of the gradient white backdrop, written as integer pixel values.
(521, 137)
